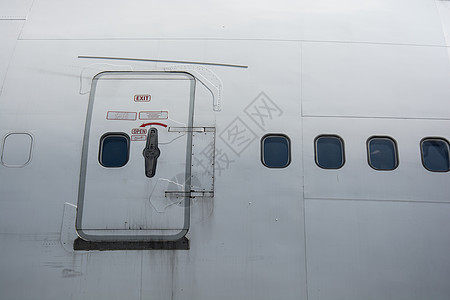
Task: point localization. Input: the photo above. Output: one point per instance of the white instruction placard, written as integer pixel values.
(153, 115)
(121, 115)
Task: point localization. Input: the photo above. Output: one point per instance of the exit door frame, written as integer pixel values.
(84, 158)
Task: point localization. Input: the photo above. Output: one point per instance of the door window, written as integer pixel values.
(114, 150)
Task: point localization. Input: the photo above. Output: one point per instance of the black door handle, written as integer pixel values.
(151, 153)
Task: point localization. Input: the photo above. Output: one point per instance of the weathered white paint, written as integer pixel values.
(352, 68)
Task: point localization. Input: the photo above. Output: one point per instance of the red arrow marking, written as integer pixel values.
(147, 124)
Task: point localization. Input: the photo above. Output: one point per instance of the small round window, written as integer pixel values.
(329, 151)
(276, 151)
(114, 150)
(435, 154)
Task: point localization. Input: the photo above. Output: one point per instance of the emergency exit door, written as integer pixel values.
(135, 180)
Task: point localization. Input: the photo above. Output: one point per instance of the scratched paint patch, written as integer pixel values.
(262, 110)
(211, 156)
(238, 136)
(67, 273)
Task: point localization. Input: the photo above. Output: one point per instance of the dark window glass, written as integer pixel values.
(114, 150)
(435, 154)
(329, 152)
(275, 151)
(382, 153)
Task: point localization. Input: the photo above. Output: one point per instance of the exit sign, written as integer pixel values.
(142, 98)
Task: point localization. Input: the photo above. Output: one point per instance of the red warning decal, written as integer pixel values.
(139, 131)
(138, 138)
(142, 98)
